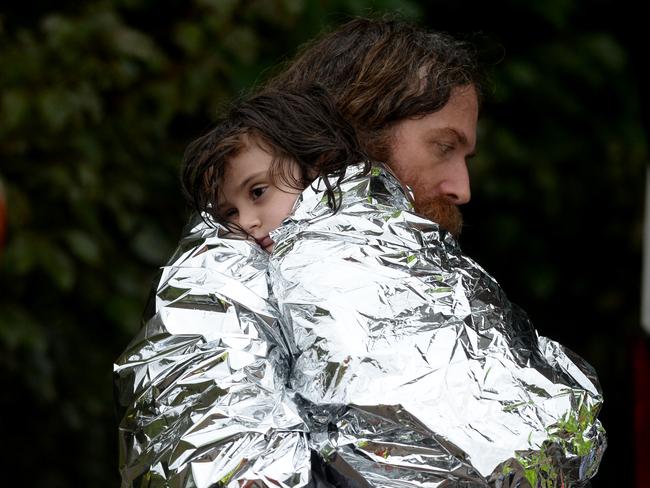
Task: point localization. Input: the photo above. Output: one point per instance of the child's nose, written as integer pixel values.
(249, 220)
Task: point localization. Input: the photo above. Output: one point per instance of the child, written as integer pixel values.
(248, 171)
(213, 319)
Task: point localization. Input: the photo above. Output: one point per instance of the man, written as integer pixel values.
(412, 96)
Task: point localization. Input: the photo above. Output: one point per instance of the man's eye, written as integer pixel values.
(258, 191)
(445, 148)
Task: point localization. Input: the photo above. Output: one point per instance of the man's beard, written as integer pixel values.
(441, 211)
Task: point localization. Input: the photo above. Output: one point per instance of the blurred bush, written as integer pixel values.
(99, 99)
(558, 182)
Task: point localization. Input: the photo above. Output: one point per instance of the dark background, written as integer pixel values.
(99, 99)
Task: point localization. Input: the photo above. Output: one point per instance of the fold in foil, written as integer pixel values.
(373, 345)
(201, 387)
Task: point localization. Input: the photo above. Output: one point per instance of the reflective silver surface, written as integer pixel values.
(389, 353)
(202, 385)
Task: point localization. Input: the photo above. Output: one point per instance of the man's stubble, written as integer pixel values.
(441, 211)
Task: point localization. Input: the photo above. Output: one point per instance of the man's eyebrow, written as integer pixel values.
(459, 136)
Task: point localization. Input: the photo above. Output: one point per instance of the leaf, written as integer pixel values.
(57, 264)
(83, 246)
(135, 44)
(189, 37)
(151, 245)
(56, 108)
(20, 255)
(15, 107)
(243, 44)
(19, 329)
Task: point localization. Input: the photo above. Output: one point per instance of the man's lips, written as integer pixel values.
(264, 242)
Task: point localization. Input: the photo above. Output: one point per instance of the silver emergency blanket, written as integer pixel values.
(202, 386)
(369, 339)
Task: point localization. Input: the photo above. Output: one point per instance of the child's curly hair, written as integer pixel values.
(303, 127)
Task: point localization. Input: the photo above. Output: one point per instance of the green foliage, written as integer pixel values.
(571, 436)
(99, 99)
(97, 103)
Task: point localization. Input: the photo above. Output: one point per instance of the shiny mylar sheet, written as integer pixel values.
(202, 386)
(367, 350)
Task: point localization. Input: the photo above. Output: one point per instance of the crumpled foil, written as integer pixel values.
(201, 387)
(381, 348)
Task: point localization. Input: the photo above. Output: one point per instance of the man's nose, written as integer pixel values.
(455, 183)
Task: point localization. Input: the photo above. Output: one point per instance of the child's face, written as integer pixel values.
(250, 198)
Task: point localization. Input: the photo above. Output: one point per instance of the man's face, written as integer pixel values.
(430, 155)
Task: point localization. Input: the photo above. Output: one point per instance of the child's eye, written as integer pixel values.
(258, 191)
(230, 214)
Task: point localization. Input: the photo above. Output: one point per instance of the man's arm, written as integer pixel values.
(412, 363)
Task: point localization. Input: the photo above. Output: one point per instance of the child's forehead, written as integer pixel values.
(250, 144)
(256, 152)
(253, 139)
(254, 161)
(250, 159)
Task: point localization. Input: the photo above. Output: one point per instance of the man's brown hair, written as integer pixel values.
(380, 71)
